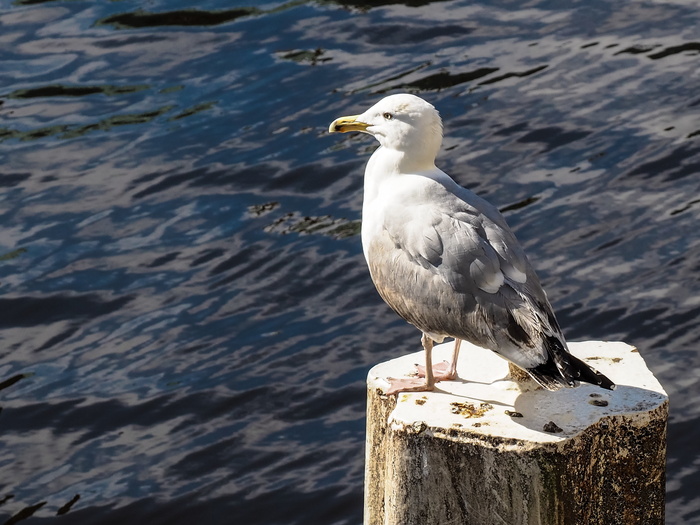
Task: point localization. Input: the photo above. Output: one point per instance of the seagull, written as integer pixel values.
(445, 260)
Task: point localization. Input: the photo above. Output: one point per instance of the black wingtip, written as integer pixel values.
(590, 375)
(606, 383)
(563, 369)
(548, 375)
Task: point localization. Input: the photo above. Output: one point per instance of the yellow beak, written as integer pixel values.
(345, 124)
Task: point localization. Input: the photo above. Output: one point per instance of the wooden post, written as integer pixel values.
(484, 450)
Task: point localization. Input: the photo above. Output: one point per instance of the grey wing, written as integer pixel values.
(456, 270)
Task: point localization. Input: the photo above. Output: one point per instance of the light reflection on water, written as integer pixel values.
(186, 317)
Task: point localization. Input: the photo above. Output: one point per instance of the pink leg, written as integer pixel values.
(412, 384)
(444, 371)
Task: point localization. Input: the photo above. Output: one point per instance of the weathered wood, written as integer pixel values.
(484, 450)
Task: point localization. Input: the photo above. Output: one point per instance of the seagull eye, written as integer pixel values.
(388, 116)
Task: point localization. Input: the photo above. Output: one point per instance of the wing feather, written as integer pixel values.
(454, 268)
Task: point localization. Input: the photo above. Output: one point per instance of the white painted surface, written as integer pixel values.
(483, 378)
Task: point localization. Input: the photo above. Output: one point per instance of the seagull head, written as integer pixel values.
(404, 123)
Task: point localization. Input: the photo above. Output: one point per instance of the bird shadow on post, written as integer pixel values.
(485, 450)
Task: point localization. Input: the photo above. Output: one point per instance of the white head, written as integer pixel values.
(404, 123)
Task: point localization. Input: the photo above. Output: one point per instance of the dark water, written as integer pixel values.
(186, 321)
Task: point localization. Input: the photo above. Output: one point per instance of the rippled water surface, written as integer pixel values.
(186, 321)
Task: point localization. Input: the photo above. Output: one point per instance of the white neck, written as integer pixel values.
(387, 163)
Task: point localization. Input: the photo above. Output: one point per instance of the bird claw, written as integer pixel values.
(406, 385)
(441, 372)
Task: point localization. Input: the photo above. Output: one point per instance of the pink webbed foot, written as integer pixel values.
(426, 382)
(444, 371)
(407, 384)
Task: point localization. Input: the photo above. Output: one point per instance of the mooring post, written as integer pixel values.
(486, 450)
